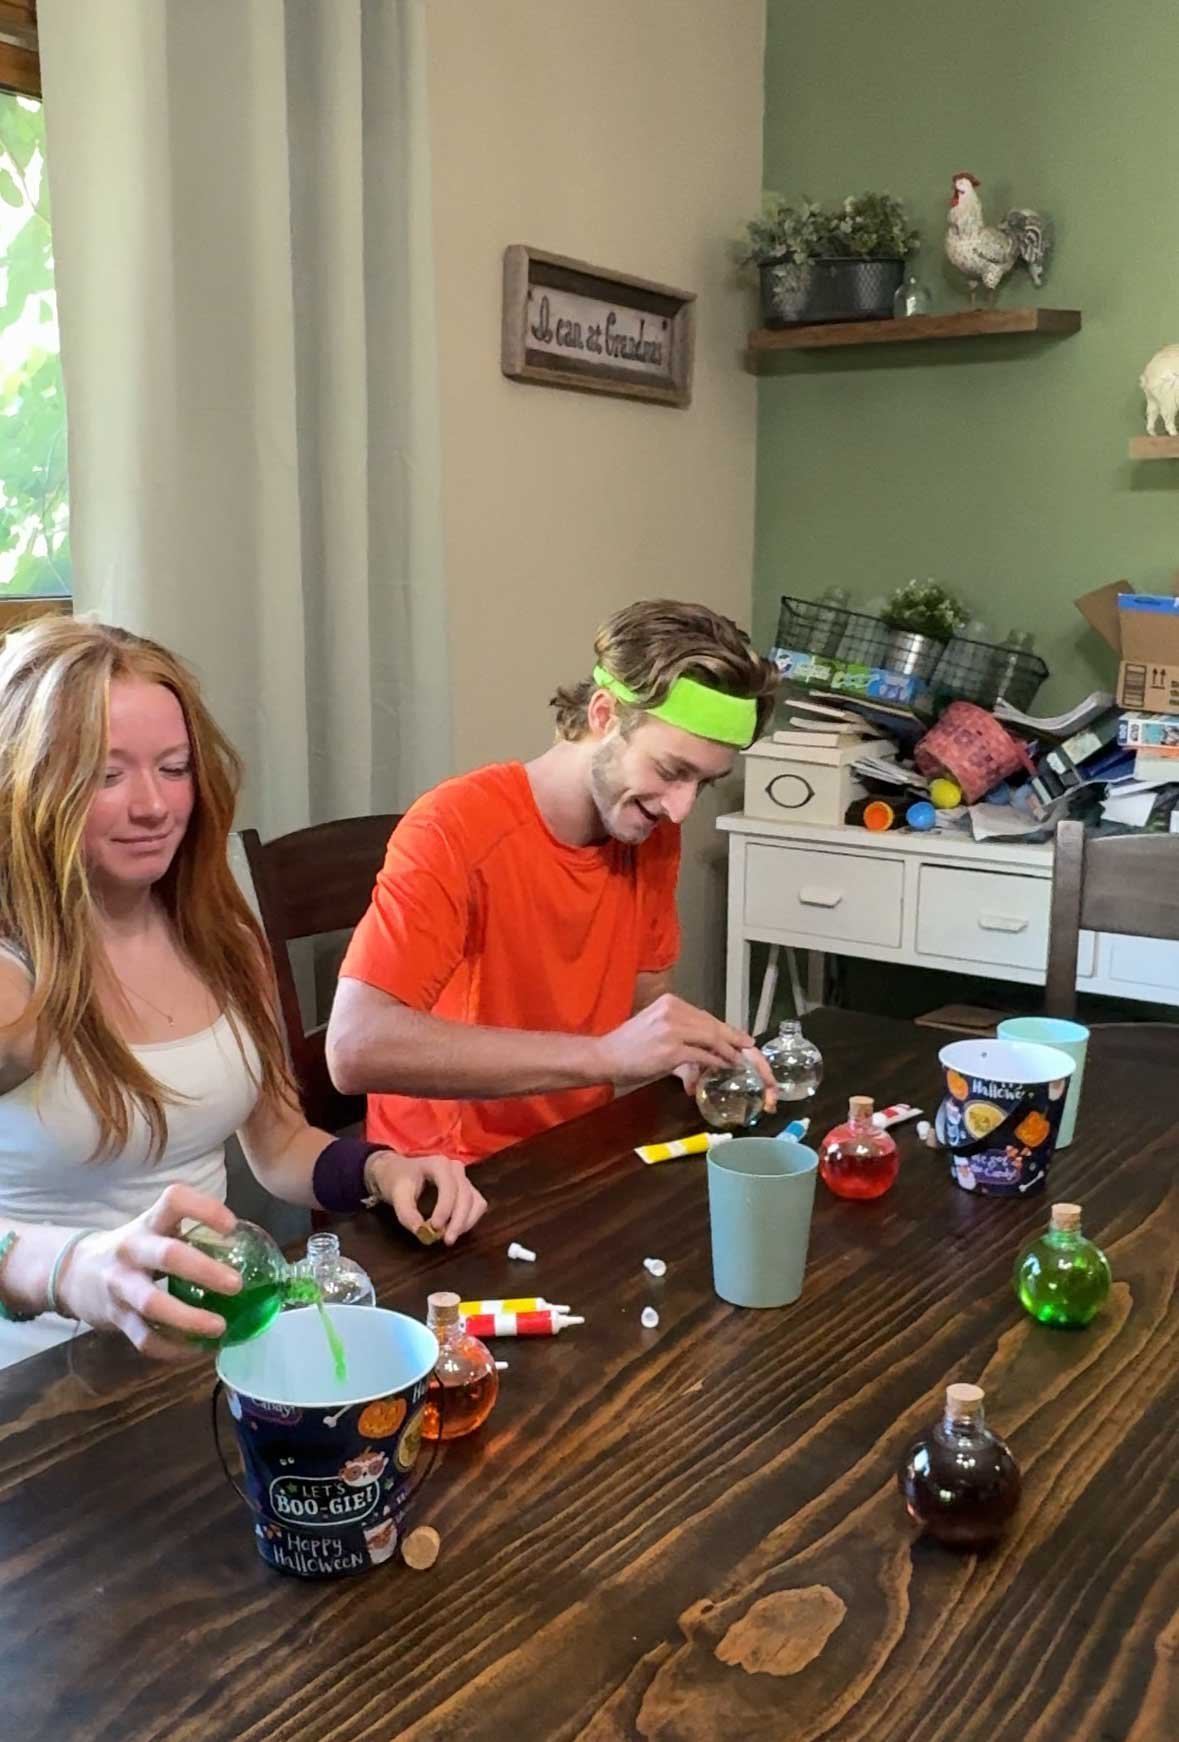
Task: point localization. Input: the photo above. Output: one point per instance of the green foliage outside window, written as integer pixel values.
(34, 504)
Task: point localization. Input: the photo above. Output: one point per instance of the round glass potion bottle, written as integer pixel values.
(268, 1282)
(959, 1481)
(339, 1280)
(912, 298)
(731, 1099)
(465, 1372)
(796, 1062)
(856, 1160)
(1060, 1277)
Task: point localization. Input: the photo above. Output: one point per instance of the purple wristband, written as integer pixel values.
(337, 1178)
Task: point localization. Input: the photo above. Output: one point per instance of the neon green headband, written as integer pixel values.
(694, 707)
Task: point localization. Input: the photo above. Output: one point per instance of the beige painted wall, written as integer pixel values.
(626, 133)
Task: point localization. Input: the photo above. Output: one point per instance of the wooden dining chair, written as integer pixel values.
(307, 884)
(1127, 884)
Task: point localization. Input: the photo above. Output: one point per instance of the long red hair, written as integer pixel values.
(55, 679)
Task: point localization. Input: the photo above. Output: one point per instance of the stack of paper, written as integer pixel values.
(1056, 725)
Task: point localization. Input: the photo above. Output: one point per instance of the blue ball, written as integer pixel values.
(921, 815)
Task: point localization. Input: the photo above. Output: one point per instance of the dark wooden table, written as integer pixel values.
(685, 1535)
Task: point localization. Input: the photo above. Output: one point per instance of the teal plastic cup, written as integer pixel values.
(1069, 1037)
(760, 1194)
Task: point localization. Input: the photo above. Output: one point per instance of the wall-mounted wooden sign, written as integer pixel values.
(568, 324)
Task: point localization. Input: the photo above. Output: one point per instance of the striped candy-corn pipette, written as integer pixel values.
(697, 1145)
(542, 1324)
(895, 1115)
(526, 1303)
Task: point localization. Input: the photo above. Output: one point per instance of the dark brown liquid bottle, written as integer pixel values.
(959, 1481)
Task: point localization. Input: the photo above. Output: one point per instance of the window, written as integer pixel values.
(34, 504)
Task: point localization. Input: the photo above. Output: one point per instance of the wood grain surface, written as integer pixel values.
(690, 1534)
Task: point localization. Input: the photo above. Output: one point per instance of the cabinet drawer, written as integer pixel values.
(848, 897)
(1135, 962)
(984, 917)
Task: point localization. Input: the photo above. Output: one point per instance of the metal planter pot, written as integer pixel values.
(828, 290)
(910, 654)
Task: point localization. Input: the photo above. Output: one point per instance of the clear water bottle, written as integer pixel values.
(1009, 670)
(829, 624)
(913, 298)
(866, 637)
(340, 1280)
(731, 1099)
(796, 1062)
(966, 670)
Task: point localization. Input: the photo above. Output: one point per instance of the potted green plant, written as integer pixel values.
(829, 264)
(921, 616)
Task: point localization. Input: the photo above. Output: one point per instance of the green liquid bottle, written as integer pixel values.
(268, 1282)
(1061, 1278)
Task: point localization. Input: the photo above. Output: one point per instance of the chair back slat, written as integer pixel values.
(1126, 884)
(307, 884)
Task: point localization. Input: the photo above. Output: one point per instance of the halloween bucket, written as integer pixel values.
(1001, 1113)
(328, 1463)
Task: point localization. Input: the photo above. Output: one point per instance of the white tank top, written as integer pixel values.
(48, 1134)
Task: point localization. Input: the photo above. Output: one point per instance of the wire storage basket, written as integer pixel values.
(978, 671)
(958, 670)
(854, 638)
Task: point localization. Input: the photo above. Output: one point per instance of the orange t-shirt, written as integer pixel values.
(480, 915)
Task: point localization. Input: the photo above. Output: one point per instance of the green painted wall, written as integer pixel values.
(998, 466)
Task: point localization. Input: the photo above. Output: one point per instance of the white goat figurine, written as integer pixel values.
(1160, 383)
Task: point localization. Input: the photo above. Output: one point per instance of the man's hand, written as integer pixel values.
(401, 1179)
(670, 1034)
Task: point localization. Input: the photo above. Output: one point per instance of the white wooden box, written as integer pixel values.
(786, 784)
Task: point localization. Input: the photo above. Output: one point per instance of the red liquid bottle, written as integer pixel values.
(856, 1160)
(959, 1481)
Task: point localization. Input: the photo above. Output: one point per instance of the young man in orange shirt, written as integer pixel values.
(514, 966)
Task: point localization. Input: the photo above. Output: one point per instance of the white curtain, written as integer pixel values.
(241, 231)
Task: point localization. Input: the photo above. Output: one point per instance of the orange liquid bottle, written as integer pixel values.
(465, 1376)
(856, 1160)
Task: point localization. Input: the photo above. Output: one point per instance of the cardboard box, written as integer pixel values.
(789, 784)
(1143, 630)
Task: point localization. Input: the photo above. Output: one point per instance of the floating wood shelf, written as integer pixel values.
(969, 324)
(1154, 447)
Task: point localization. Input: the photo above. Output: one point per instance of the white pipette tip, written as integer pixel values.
(656, 1266)
(515, 1250)
(501, 1366)
(648, 1318)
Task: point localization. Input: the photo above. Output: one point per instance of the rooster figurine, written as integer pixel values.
(986, 253)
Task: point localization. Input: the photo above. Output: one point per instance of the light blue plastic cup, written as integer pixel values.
(1069, 1037)
(760, 1194)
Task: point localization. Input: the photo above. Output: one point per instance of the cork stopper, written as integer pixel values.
(1066, 1218)
(860, 1107)
(964, 1402)
(443, 1309)
(421, 1546)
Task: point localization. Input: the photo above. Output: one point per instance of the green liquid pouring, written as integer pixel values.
(269, 1284)
(339, 1359)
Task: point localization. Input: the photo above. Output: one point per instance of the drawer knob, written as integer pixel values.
(1002, 922)
(820, 897)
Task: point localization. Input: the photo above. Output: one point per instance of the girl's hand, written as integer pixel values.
(109, 1279)
(399, 1181)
